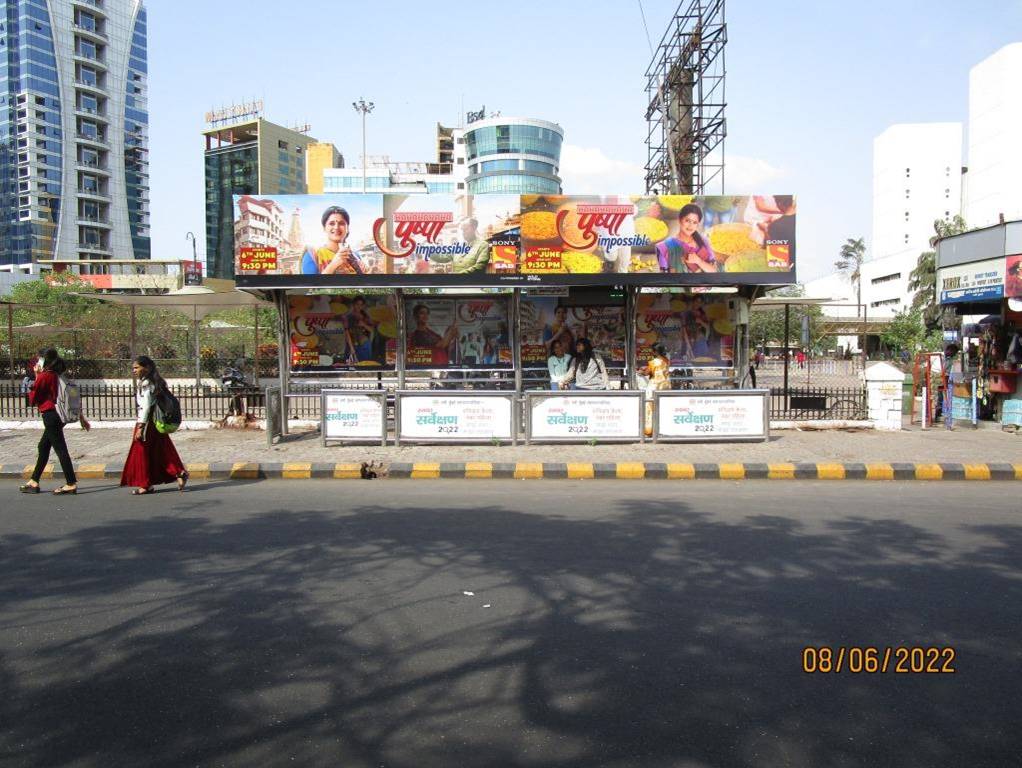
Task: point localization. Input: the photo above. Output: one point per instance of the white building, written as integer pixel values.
(75, 127)
(916, 180)
(995, 139)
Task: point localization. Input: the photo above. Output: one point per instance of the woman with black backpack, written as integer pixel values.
(152, 459)
(44, 394)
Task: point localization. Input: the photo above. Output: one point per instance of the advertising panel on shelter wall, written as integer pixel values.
(342, 331)
(463, 332)
(697, 329)
(546, 320)
(1013, 277)
(412, 239)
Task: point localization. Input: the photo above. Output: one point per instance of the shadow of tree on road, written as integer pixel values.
(654, 636)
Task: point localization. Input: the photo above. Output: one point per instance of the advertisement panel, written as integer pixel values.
(342, 331)
(697, 329)
(1013, 276)
(457, 418)
(976, 281)
(546, 320)
(582, 417)
(351, 416)
(711, 415)
(512, 239)
(463, 332)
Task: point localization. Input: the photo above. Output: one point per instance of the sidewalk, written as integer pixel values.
(903, 451)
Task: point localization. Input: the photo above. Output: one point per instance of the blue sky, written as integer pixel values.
(809, 86)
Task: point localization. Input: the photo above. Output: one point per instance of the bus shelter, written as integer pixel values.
(466, 298)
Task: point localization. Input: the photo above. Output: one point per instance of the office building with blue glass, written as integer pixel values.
(74, 127)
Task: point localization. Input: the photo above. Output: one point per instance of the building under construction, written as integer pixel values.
(685, 94)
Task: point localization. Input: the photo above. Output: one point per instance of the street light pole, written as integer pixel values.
(365, 107)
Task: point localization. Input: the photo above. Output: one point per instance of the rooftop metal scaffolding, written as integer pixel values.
(685, 93)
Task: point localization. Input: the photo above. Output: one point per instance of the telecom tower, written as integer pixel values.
(685, 93)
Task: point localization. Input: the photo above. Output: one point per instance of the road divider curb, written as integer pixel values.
(626, 470)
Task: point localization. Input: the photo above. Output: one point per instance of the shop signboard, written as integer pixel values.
(975, 281)
(351, 417)
(460, 417)
(705, 415)
(578, 416)
(546, 320)
(526, 240)
(463, 332)
(697, 329)
(342, 331)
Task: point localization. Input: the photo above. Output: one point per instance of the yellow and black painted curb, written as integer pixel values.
(568, 471)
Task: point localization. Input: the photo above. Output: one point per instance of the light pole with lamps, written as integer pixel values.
(365, 108)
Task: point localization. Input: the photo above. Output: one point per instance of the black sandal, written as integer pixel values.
(182, 480)
(29, 488)
(142, 491)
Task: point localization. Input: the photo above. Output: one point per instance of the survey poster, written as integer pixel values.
(585, 417)
(350, 416)
(455, 418)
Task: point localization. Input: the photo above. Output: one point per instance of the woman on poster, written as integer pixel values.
(335, 256)
(558, 330)
(689, 251)
(152, 459)
(424, 336)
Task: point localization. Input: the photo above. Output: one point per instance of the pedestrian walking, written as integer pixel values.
(152, 459)
(44, 394)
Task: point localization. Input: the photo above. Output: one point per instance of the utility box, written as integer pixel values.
(884, 385)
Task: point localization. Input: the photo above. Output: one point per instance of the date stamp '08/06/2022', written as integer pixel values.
(932, 660)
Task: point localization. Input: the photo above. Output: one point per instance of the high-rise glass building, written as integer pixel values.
(512, 155)
(74, 126)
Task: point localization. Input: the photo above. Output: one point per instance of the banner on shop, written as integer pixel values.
(510, 239)
(583, 416)
(455, 417)
(977, 281)
(711, 415)
(342, 331)
(353, 417)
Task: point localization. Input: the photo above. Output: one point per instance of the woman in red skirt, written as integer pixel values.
(152, 460)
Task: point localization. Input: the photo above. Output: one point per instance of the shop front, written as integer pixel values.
(979, 278)
(467, 311)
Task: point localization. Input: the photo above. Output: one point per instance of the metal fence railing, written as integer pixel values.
(818, 403)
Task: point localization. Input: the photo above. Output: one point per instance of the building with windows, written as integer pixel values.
(492, 155)
(917, 179)
(995, 151)
(74, 147)
(513, 155)
(251, 157)
(320, 156)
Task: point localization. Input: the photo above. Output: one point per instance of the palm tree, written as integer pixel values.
(850, 259)
(923, 280)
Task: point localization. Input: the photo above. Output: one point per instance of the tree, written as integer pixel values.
(907, 332)
(767, 325)
(923, 279)
(850, 259)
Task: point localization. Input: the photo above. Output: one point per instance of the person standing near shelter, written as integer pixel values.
(43, 395)
(152, 459)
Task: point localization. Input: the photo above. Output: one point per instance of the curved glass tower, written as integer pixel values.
(514, 155)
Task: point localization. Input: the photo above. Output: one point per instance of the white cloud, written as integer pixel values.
(745, 175)
(587, 170)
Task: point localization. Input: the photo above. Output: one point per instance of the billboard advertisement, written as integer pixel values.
(462, 332)
(510, 239)
(1013, 277)
(697, 329)
(546, 320)
(342, 331)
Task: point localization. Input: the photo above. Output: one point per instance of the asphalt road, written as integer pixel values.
(609, 624)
